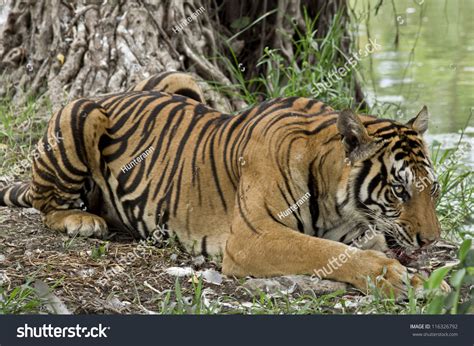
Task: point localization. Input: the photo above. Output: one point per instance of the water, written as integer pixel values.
(432, 65)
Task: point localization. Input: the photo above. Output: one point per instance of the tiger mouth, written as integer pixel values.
(397, 251)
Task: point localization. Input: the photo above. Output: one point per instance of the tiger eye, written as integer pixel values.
(400, 192)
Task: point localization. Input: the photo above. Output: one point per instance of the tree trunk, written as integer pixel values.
(68, 49)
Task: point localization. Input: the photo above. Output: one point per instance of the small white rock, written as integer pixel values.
(85, 273)
(3, 277)
(199, 260)
(247, 304)
(212, 276)
(31, 211)
(179, 272)
(115, 303)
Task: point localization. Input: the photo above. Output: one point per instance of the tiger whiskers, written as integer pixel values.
(388, 228)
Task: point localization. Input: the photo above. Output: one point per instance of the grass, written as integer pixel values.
(313, 59)
(456, 201)
(19, 300)
(20, 130)
(22, 126)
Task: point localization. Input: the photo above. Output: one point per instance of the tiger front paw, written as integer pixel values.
(76, 223)
(385, 274)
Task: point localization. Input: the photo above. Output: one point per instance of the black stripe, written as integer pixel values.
(247, 222)
(178, 188)
(204, 246)
(189, 93)
(155, 80)
(313, 199)
(272, 216)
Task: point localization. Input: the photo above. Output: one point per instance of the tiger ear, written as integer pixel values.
(356, 140)
(420, 122)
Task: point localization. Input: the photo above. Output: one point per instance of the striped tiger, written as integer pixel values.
(288, 186)
(172, 82)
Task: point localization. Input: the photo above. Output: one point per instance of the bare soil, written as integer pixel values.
(83, 278)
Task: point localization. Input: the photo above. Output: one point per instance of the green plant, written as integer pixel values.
(20, 129)
(456, 200)
(20, 300)
(462, 276)
(99, 251)
(310, 64)
(178, 301)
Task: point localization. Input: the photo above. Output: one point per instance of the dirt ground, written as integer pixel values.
(118, 276)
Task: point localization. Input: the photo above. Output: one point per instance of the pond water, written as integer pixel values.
(432, 64)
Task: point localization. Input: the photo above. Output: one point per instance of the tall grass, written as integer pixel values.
(313, 59)
(21, 126)
(456, 203)
(19, 300)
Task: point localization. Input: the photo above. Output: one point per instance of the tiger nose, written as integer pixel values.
(424, 241)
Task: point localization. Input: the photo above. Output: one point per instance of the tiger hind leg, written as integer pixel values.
(67, 157)
(172, 82)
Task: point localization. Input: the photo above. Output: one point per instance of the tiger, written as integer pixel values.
(284, 187)
(172, 82)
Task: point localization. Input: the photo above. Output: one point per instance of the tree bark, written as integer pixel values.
(68, 49)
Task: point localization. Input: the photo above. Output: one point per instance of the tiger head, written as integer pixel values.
(391, 182)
